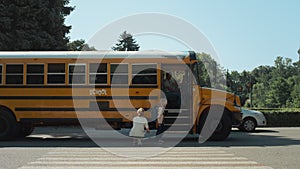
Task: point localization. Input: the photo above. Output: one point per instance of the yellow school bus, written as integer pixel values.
(60, 88)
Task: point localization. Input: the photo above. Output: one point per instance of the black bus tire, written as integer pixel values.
(25, 130)
(9, 128)
(223, 129)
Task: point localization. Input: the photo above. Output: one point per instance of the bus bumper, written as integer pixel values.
(237, 118)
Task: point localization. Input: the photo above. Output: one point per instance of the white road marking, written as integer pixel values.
(175, 158)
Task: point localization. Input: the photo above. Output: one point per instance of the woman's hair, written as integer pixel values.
(163, 101)
(140, 111)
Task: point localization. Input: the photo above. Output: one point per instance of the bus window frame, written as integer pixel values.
(56, 73)
(89, 74)
(85, 73)
(35, 73)
(151, 74)
(122, 74)
(196, 73)
(1, 74)
(23, 81)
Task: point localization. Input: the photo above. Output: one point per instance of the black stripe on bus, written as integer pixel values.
(72, 109)
(77, 97)
(79, 86)
(68, 120)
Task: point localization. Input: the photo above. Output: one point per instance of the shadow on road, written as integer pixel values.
(70, 138)
(262, 138)
(259, 131)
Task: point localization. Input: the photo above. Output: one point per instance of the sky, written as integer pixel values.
(244, 33)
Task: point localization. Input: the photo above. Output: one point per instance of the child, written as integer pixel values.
(139, 123)
(160, 120)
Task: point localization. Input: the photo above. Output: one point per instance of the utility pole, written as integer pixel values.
(249, 87)
(299, 59)
(250, 97)
(298, 66)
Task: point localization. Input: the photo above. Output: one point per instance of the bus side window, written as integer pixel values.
(119, 73)
(144, 74)
(35, 74)
(76, 73)
(56, 73)
(14, 74)
(98, 73)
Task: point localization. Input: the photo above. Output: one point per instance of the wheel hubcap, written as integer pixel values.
(249, 125)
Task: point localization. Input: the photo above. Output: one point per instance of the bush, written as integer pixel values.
(282, 117)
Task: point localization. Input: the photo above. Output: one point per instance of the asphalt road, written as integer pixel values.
(62, 147)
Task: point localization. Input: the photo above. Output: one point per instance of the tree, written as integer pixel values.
(34, 24)
(294, 100)
(259, 93)
(203, 72)
(283, 67)
(238, 83)
(126, 43)
(210, 73)
(278, 93)
(275, 86)
(80, 45)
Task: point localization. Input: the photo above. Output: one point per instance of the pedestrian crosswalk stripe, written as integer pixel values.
(187, 149)
(179, 155)
(145, 162)
(149, 159)
(141, 152)
(141, 167)
(175, 158)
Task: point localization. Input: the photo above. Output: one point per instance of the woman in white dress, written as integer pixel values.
(138, 128)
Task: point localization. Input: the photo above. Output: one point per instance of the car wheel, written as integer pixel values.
(248, 125)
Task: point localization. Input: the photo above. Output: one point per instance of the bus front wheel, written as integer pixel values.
(223, 129)
(218, 129)
(8, 126)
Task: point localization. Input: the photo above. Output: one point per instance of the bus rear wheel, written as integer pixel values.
(8, 126)
(25, 130)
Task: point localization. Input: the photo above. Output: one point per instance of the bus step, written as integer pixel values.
(178, 127)
(176, 132)
(177, 124)
(177, 117)
(176, 111)
(176, 114)
(177, 120)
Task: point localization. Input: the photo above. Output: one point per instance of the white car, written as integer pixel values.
(252, 119)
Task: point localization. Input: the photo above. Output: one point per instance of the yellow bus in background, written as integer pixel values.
(58, 88)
